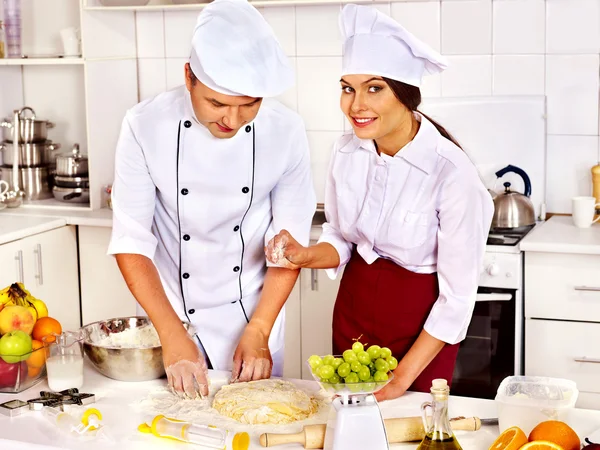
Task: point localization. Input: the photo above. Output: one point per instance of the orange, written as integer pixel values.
(541, 445)
(511, 439)
(558, 432)
(44, 327)
(37, 358)
(33, 372)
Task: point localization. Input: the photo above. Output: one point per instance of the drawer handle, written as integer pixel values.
(494, 297)
(19, 259)
(38, 253)
(585, 359)
(314, 280)
(587, 288)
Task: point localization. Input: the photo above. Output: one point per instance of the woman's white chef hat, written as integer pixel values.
(235, 52)
(375, 44)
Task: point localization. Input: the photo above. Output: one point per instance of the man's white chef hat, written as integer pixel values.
(375, 44)
(235, 52)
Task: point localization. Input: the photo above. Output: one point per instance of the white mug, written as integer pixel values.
(583, 211)
(3, 190)
(70, 42)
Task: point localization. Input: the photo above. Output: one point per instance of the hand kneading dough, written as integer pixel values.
(264, 402)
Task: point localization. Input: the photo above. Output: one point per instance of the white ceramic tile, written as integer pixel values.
(519, 26)
(420, 18)
(175, 71)
(150, 34)
(63, 104)
(282, 20)
(152, 77)
(431, 86)
(570, 159)
(519, 74)
(467, 27)
(179, 28)
(317, 31)
(117, 34)
(290, 97)
(321, 145)
(319, 92)
(467, 75)
(572, 89)
(573, 26)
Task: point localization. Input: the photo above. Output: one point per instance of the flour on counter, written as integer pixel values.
(145, 337)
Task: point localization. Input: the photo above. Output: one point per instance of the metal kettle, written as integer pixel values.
(513, 209)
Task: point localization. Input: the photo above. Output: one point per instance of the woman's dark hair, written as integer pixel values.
(410, 96)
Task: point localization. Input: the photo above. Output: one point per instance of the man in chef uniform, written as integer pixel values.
(205, 175)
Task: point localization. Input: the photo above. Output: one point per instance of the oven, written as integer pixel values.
(493, 346)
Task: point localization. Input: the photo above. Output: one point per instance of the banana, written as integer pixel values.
(33, 312)
(4, 297)
(40, 307)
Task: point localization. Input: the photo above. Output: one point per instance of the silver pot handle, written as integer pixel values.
(53, 146)
(25, 108)
(50, 124)
(5, 124)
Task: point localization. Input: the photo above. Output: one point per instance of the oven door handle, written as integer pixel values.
(494, 297)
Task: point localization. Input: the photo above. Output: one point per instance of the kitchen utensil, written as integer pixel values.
(70, 42)
(13, 408)
(72, 164)
(135, 363)
(64, 361)
(71, 182)
(525, 401)
(84, 424)
(33, 182)
(359, 423)
(583, 209)
(30, 129)
(405, 429)
(513, 209)
(203, 435)
(31, 154)
(596, 184)
(3, 188)
(61, 400)
(72, 195)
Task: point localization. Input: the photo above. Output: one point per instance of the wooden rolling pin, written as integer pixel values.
(405, 429)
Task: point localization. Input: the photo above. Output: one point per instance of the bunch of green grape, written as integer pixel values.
(356, 365)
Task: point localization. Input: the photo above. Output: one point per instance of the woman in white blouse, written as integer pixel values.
(407, 214)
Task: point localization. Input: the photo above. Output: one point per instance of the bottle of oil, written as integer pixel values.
(2, 39)
(438, 432)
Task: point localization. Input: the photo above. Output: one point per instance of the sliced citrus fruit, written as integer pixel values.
(541, 445)
(510, 439)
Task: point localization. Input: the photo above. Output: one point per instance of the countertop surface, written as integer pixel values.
(559, 235)
(14, 227)
(117, 402)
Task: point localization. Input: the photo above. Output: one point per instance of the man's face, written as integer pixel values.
(222, 114)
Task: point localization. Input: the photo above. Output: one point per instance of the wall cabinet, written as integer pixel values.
(47, 264)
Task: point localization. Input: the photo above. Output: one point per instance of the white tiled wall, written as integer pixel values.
(495, 47)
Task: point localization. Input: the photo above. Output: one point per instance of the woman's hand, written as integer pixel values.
(286, 252)
(394, 389)
(252, 359)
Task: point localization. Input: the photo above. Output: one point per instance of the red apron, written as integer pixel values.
(388, 305)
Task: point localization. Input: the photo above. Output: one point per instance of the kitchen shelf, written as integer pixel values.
(197, 6)
(40, 61)
(54, 204)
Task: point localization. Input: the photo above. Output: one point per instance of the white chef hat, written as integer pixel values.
(376, 44)
(235, 52)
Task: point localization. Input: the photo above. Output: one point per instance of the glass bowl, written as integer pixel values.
(361, 387)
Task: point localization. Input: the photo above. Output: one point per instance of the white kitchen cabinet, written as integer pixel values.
(104, 293)
(317, 298)
(47, 264)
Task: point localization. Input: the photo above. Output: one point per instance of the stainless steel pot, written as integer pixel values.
(513, 209)
(31, 154)
(31, 129)
(34, 181)
(72, 164)
(72, 195)
(71, 182)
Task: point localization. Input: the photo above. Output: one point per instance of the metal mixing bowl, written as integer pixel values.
(119, 363)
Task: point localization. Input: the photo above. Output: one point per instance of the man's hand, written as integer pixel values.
(252, 358)
(285, 251)
(186, 368)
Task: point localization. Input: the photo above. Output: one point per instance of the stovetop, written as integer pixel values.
(507, 237)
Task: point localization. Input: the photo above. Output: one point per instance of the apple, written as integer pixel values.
(15, 346)
(10, 372)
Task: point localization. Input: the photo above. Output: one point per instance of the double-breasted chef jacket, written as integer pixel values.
(203, 209)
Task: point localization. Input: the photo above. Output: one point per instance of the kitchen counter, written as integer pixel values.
(14, 227)
(559, 235)
(115, 401)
